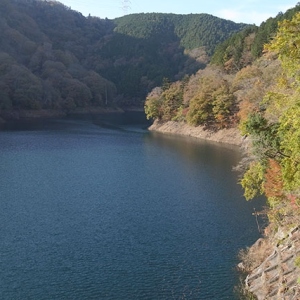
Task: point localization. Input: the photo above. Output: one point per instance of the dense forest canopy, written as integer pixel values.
(192, 31)
(54, 57)
(244, 47)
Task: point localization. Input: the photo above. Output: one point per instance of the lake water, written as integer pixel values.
(104, 209)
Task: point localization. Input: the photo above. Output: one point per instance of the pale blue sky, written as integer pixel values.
(246, 11)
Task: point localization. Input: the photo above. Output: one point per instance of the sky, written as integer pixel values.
(240, 11)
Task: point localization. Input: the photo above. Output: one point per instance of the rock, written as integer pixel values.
(277, 275)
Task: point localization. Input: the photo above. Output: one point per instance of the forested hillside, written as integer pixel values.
(246, 46)
(234, 83)
(273, 125)
(43, 57)
(53, 57)
(145, 48)
(257, 91)
(260, 97)
(192, 31)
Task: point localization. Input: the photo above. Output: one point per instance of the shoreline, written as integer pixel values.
(14, 115)
(230, 136)
(27, 115)
(273, 273)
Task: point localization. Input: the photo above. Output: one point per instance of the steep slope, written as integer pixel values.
(154, 46)
(192, 31)
(42, 44)
(244, 47)
(276, 276)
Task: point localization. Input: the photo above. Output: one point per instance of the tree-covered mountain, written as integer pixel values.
(192, 31)
(54, 57)
(260, 97)
(244, 47)
(232, 84)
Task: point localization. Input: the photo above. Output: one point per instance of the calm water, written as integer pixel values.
(107, 210)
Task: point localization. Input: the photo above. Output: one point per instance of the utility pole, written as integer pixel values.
(126, 6)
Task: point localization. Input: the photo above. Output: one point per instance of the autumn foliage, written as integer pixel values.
(273, 185)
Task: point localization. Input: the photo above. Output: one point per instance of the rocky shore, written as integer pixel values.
(228, 136)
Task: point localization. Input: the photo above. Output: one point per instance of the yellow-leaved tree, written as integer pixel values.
(287, 45)
(276, 128)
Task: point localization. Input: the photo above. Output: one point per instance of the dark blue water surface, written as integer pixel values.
(107, 210)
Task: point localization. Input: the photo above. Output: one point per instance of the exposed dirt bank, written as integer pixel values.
(228, 136)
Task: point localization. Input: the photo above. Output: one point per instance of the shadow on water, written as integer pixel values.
(122, 121)
(218, 160)
(193, 150)
(128, 121)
